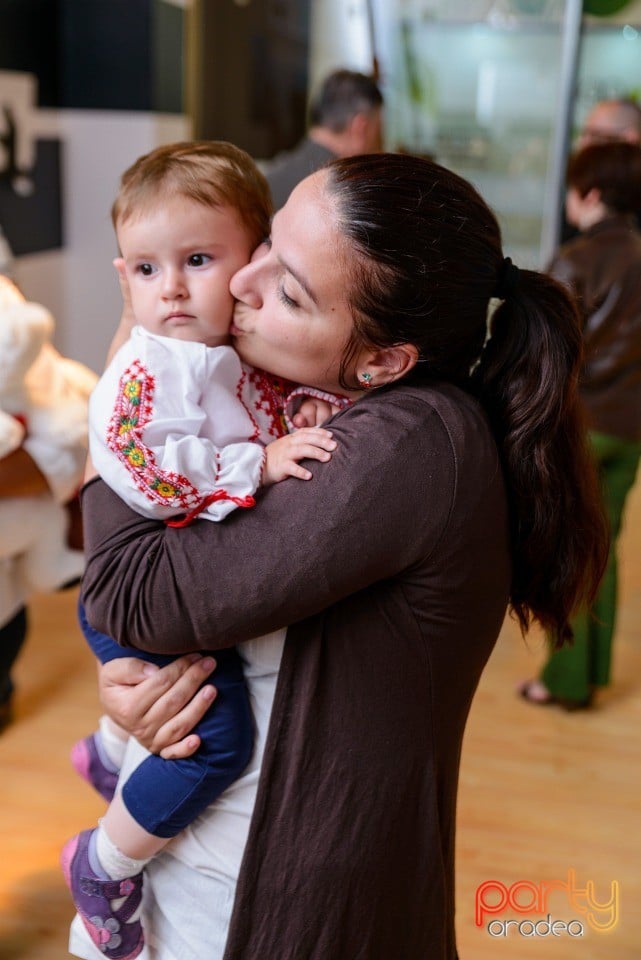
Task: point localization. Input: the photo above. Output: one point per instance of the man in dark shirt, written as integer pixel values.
(345, 118)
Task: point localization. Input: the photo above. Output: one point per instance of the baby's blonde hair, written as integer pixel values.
(211, 172)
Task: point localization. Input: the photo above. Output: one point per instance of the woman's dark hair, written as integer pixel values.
(614, 169)
(429, 260)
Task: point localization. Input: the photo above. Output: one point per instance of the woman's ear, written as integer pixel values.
(389, 364)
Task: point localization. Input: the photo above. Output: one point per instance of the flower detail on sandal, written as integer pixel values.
(112, 928)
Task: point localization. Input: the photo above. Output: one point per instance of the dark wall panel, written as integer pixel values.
(254, 76)
(168, 55)
(106, 54)
(85, 54)
(97, 54)
(32, 222)
(29, 42)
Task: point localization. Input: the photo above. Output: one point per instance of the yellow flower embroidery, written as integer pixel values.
(165, 489)
(127, 424)
(132, 389)
(136, 457)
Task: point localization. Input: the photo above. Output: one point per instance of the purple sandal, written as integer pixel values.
(86, 760)
(113, 931)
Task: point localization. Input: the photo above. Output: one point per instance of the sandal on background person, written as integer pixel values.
(535, 692)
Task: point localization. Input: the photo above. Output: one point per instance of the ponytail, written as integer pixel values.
(426, 259)
(527, 380)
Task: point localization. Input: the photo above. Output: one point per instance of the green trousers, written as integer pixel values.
(572, 672)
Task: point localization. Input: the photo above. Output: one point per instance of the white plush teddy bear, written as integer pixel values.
(43, 407)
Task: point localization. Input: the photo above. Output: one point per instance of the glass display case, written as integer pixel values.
(610, 59)
(493, 89)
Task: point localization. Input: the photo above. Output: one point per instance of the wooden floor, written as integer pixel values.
(542, 793)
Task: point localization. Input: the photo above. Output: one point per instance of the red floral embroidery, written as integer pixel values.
(132, 411)
(271, 393)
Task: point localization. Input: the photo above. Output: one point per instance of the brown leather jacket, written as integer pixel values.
(602, 266)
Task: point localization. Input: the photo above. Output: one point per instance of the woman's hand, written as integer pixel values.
(158, 706)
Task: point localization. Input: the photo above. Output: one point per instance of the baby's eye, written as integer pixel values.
(198, 259)
(146, 269)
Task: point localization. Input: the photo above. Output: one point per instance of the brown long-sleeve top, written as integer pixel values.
(391, 568)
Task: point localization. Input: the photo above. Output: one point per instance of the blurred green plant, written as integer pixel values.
(604, 8)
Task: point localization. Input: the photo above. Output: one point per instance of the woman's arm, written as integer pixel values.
(378, 506)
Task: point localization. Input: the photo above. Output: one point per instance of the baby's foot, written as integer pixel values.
(90, 761)
(106, 907)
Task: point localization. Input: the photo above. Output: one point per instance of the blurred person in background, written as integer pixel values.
(609, 121)
(345, 118)
(602, 268)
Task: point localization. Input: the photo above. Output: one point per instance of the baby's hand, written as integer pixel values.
(282, 456)
(312, 412)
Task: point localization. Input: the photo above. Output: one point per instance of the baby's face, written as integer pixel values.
(179, 259)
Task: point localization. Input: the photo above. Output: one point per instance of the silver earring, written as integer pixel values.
(365, 381)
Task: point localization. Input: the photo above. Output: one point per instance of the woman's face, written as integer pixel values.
(292, 317)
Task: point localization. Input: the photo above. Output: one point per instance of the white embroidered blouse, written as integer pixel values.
(177, 428)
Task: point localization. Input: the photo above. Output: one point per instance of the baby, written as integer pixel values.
(181, 430)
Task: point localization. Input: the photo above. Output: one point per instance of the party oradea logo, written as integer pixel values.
(583, 907)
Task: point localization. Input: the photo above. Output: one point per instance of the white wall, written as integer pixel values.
(339, 37)
(78, 283)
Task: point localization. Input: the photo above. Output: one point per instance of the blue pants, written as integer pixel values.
(164, 796)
